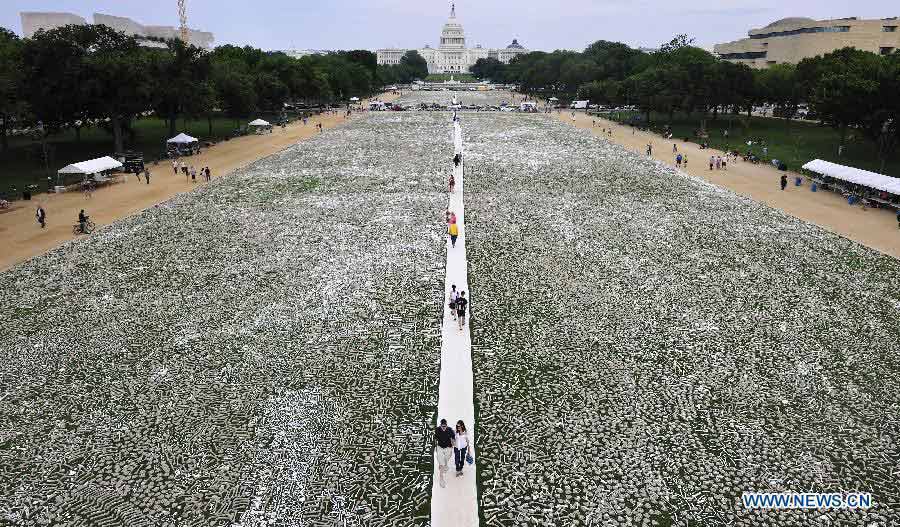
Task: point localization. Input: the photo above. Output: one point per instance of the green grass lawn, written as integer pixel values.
(441, 77)
(21, 165)
(794, 142)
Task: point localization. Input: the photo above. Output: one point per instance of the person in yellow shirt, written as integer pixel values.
(453, 230)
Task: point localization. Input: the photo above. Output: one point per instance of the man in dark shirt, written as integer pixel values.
(444, 436)
(461, 304)
(82, 220)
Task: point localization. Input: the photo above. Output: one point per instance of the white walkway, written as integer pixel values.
(456, 505)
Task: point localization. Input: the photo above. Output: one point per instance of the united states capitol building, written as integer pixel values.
(452, 55)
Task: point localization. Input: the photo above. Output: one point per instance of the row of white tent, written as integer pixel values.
(855, 175)
(102, 164)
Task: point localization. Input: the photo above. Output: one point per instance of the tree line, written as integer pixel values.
(847, 88)
(69, 76)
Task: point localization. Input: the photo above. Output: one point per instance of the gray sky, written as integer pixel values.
(538, 24)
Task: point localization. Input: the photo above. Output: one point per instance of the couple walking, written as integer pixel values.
(454, 443)
(458, 304)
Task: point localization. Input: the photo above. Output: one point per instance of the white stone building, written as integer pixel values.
(452, 55)
(33, 21)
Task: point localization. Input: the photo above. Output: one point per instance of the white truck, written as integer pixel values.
(579, 105)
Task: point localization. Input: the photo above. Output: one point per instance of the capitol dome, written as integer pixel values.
(453, 36)
(515, 45)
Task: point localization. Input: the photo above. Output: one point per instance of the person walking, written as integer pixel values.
(208, 174)
(649, 149)
(82, 221)
(461, 449)
(453, 231)
(678, 161)
(674, 148)
(461, 304)
(454, 296)
(684, 160)
(712, 162)
(452, 183)
(457, 159)
(193, 174)
(175, 167)
(443, 436)
(783, 181)
(41, 216)
(147, 175)
(724, 163)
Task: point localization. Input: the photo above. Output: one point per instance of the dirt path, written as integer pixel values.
(22, 238)
(875, 228)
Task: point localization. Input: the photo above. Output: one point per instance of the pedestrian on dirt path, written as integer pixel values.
(175, 167)
(712, 162)
(41, 216)
(452, 183)
(453, 231)
(649, 149)
(674, 148)
(193, 174)
(461, 304)
(783, 181)
(898, 218)
(678, 161)
(443, 437)
(457, 159)
(684, 160)
(147, 175)
(208, 174)
(461, 450)
(454, 296)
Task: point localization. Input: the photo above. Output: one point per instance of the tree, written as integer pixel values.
(417, 67)
(78, 72)
(11, 80)
(616, 60)
(183, 70)
(842, 85)
(490, 69)
(53, 75)
(779, 86)
(237, 94)
(880, 121)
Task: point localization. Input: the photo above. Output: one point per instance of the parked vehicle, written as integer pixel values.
(579, 105)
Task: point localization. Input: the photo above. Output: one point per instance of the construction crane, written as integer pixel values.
(182, 17)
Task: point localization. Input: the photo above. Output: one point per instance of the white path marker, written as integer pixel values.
(456, 505)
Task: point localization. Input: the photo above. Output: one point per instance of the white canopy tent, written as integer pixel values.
(855, 175)
(182, 139)
(354, 99)
(92, 166)
(259, 122)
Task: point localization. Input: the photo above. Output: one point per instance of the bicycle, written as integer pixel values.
(88, 228)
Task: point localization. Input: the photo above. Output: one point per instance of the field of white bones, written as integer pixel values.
(647, 346)
(264, 351)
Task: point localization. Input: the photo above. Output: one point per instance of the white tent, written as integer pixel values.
(855, 175)
(182, 139)
(354, 99)
(93, 166)
(259, 122)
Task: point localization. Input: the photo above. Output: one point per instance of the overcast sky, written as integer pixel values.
(538, 24)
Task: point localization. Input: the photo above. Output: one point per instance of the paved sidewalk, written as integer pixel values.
(456, 505)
